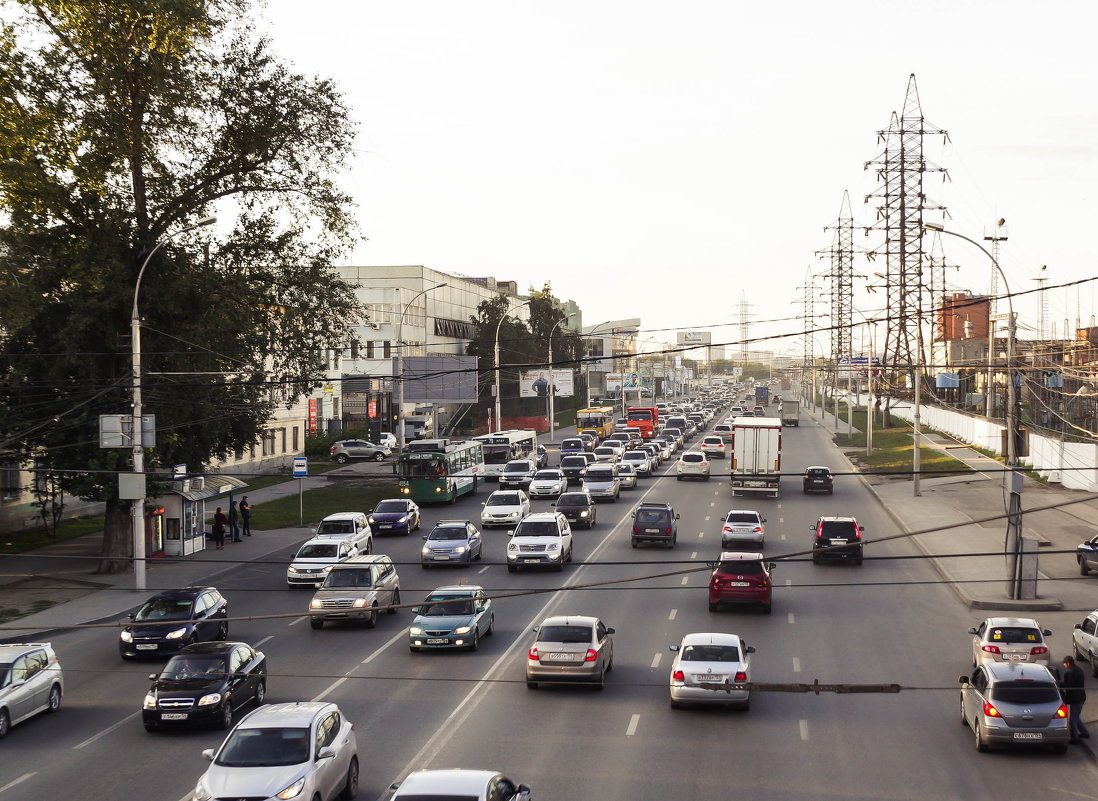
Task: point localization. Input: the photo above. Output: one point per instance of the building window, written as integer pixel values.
(369, 349)
(387, 353)
(297, 439)
(354, 349)
(9, 481)
(282, 432)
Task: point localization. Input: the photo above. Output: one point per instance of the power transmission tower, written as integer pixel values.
(841, 275)
(807, 378)
(900, 170)
(744, 321)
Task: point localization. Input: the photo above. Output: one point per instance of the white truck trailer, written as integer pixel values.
(756, 456)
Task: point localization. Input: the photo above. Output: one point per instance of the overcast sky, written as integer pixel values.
(664, 160)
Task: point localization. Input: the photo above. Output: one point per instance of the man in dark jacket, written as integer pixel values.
(1074, 696)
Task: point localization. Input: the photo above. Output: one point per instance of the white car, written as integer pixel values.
(692, 464)
(1084, 641)
(607, 454)
(315, 559)
(353, 526)
(627, 476)
(666, 446)
(303, 750)
(548, 484)
(541, 539)
(711, 668)
(640, 460)
(30, 682)
(505, 508)
(743, 530)
(713, 446)
(459, 785)
(388, 439)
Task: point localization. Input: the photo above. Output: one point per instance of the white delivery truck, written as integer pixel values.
(791, 413)
(756, 456)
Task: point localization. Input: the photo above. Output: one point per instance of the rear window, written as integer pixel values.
(744, 568)
(839, 528)
(573, 461)
(564, 634)
(693, 457)
(1014, 634)
(713, 441)
(818, 472)
(653, 516)
(742, 517)
(1025, 692)
(710, 653)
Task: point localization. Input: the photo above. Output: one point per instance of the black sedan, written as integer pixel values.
(578, 508)
(204, 684)
(173, 619)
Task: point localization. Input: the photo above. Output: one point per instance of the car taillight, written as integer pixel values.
(727, 528)
(667, 531)
(819, 534)
(1040, 649)
(1062, 712)
(857, 534)
(533, 653)
(758, 529)
(636, 530)
(991, 649)
(991, 711)
(678, 675)
(741, 676)
(592, 655)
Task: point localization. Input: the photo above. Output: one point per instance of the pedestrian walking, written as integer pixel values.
(1074, 696)
(219, 529)
(245, 517)
(234, 522)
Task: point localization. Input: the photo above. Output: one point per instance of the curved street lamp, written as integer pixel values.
(400, 363)
(496, 422)
(552, 384)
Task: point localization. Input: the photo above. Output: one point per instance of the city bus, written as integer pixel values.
(438, 470)
(599, 420)
(500, 447)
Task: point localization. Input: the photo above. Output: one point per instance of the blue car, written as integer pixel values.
(394, 516)
(572, 446)
(452, 617)
(173, 619)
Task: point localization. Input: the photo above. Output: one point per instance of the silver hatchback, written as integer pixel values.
(1009, 703)
(575, 648)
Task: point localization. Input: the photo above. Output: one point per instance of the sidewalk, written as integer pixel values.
(957, 501)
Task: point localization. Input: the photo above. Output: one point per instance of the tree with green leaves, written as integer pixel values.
(123, 122)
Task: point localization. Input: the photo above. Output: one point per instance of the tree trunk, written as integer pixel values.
(117, 539)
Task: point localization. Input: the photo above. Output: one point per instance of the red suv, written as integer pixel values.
(741, 578)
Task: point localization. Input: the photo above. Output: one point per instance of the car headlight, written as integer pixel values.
(316, 603)
(415, 631)
(552, 546)
(425, 550)
(583, 513)
(293, 790)
(126, 636)
(209, 700)
(291, 569)
(150, 702)
(463, 629)
(175, 634)
(359, 603)
(460, 549)
(327, 569)
(403, 519)
(370, 520)
(512, 547)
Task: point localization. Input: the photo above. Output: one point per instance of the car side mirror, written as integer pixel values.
(536, 629)
(153, 677)
(750, 649)
(610, 630)
(131, 616)
(673, 648)
(524, 791)
(208, 755)
(327, 752)
(510, 532)
(425, 536)
(1047, 632)
(963, 679)
(770, 565)
(415, 610)
(1078, 625)
(972, 630)
(763, 519)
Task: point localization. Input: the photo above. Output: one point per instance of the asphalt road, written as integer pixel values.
(835, 623)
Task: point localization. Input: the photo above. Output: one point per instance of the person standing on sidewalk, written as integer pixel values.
(234, 522)
(1074, 696)
(245, 516)
(219, 529)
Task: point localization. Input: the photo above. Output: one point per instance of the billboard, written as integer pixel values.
(613, 382)
(536, 383)
(439, 379)
(694, 337)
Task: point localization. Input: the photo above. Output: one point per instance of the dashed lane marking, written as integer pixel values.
(656, 660)
(693, 554)
(804, 729)
(673, 615)
(632, 728)
(106, 731)
(268, 638)
(484, 569)
(297, 620)
(796, 665)
(20, 780)
(685, 579)
(792, 619)
(701, 534)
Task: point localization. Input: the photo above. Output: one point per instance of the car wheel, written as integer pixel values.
(54, 701)
(260, 693)
(1059, 749)
(341, 458)
(151, 728)
(677, 478)
(475, 644)
(371, 620)
(393, 603)
(600, 685)
(560, 565)
(225, 721)
(491, 626)
(223, 632)
(981, 746)
(1093, 665)
(1083, 569)
(316, 622)
(676, 705)
(768, 608)
(379, 456)
(713, 607)
(350, 787)
(745, 706)
(964, 721)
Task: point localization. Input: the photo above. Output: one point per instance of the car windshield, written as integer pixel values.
(547, 475)
(599, 475)
(191, 666)
(625, 470)
(710, 653)
(537, 528)
(448, 533)
(564, 634)
(639, 414)
(1025, 692)
(636, 455)
(318, 550)
(165, 609)
(573, 461)
(838, 528)
(1013, 634)
(335, 527)
(358, 577)
(452, 605)
(259, 748)
(517, 467)
(651, 516)
(740, 568)
(742, 517)
(571, 444)
(503, 499)
(391, 507)
(572, 499)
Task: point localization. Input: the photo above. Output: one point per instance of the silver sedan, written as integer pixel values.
(571, 648)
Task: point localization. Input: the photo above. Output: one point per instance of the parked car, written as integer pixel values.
(692, 464)
(452, 542)
(452, 617)
(601, 480)
(711, 668)
(31, 681)
(570, 648)
(315, 558)
(655, 522)
(173, 619)
(1014, 704)
(743, 529)
(505, 508)
(742, 579)
(1010, 639)
(818, 479)
(307, 748)
(353, 526)
(388, 439)
(838, 538)
(458, 785)
(355, 590)
(205, 684)
(577, 508)
(347, 449)
(549, 483)
(541, 539)
(627, 476)
(394, 515)
(517, 474)
(1084, 641)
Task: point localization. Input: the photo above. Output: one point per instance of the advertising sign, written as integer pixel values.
(536, 383)
(694, 337)
(613, 382)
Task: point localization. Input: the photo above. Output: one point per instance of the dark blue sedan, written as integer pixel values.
(394, 516)
(173, 619)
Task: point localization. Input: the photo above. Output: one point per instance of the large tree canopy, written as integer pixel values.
(123, 122)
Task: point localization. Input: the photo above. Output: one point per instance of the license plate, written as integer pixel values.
(755, 484)
(173, 715)
(1016, 657)
(146, 646)
(709, 677)
(442, 558)
(838, 542)
(384, 525)
(1029, 735)
(651, 531)
(561, 657)
(437, 641)
(739, 584)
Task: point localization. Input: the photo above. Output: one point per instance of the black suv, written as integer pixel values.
(819, 479)
(577, 508)
(837, 538)
(655, 522)
(574, 468)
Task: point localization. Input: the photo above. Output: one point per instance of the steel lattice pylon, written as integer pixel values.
(841, 274)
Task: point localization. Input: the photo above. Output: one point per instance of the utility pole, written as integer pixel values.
(744, 321)
(996, 236)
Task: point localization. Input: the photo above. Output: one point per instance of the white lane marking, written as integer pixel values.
(20, 780)
(779, 506)
(484, 569)
(804, 729)
(781, 519)
(694, 555)
(712, 503)
(792, 619)
(789, 582)
(715, 493)
(783, 538)
(268, 638)
(393, 639)
(707, 517)
(685, 579)
(329, 689)
(701, 534)
(106, 731)
(297, 620)
(633, 721)
(656, 660)
(674, 612)
(796, 665)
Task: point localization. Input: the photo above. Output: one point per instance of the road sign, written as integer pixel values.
(301, 467)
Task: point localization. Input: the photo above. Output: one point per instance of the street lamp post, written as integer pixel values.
(587, 363)
(400, 364)
(1014, 510)
(496, 423)
(138, 507)
(552, 383)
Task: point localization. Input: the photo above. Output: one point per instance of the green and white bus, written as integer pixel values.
(437, 470)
